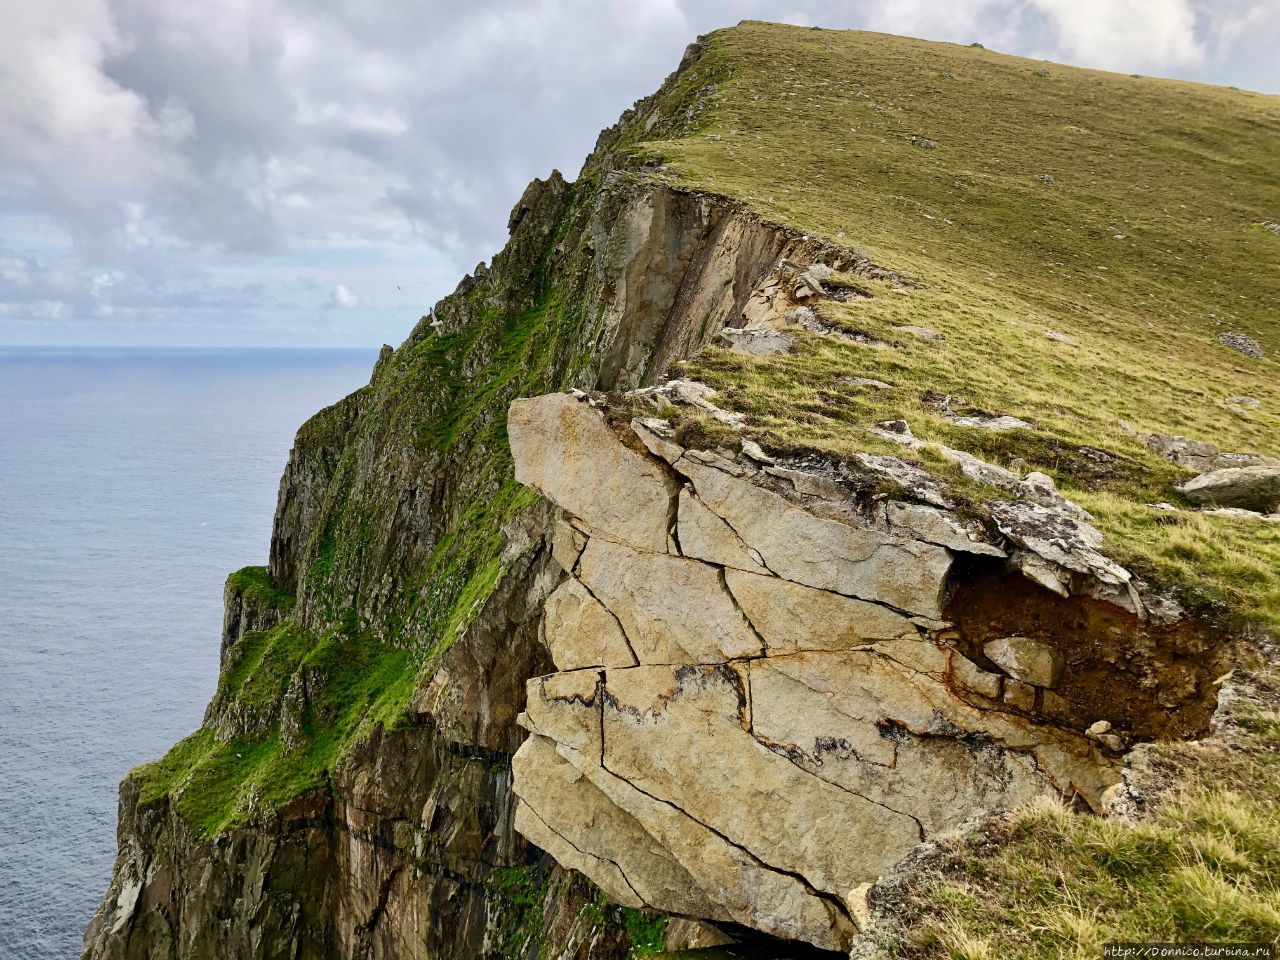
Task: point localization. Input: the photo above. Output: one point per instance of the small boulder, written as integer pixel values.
(1027, 660)
(1235, 513)
(564, 449)
(898, 426)
(864, 382)
(924, 333)
(1247, 403)
(1197, 454)
(1183, 450)
(1248, 488)
(756, 342)
(999, 424)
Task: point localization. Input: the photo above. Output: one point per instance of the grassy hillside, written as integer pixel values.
(1079, 239)
(1122, 213)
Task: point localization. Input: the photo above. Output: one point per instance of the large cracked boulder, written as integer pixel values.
(759, 710)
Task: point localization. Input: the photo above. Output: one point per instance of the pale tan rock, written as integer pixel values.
(858, 561)
(811, 484)
(868, 744)
(658, 436)
(790, 617)
(549, 783)
(566, 708)
(972, 677)
(899, 684)
(562, 811)
(706, 536)
(567, 544)
(746, 890)
(580, 632)
(1019, 695)
(824, 765)
(672, 610)
(937, 526)
(860, 904)
(1026, 659)
(564, 449)
(758, 728)
(661, 722)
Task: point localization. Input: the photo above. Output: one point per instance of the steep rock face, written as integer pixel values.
(760, 713)
(350, 791)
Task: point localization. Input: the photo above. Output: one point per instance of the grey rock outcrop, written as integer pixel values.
(1198, 454)
(1254, 488)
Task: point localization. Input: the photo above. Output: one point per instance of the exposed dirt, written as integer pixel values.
(1150, 682)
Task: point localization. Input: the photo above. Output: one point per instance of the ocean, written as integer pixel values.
(131, 482)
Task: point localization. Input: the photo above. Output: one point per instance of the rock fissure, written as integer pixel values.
(793, 753)
(764, 646)
(613, 863)
(831, 899)
(621, 629)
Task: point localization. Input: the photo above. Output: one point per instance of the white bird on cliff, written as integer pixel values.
(436, 323)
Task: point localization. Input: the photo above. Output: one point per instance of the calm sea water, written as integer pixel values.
(131, 483)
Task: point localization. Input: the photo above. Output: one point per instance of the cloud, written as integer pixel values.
(342, 298)
(1156, 35)
(307, 141)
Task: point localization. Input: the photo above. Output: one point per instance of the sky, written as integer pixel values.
(319, 172)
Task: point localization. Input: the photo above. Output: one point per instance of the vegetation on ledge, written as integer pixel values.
(1203, 864)
(348, 684)
(255, 584)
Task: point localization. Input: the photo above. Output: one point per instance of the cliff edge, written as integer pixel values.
(877, 439)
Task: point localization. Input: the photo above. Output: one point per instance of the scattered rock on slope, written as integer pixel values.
(1238, 341)
(1196, 454)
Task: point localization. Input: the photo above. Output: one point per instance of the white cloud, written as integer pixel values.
(1127, 35)
(343, 298)
(143, 134)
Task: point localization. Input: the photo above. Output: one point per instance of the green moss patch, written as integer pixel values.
(351, 684)
(255, 584)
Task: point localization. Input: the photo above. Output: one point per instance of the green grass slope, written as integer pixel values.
(1124, 216)
(1145, 246)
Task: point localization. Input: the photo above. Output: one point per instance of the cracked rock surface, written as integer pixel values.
(752, 719)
